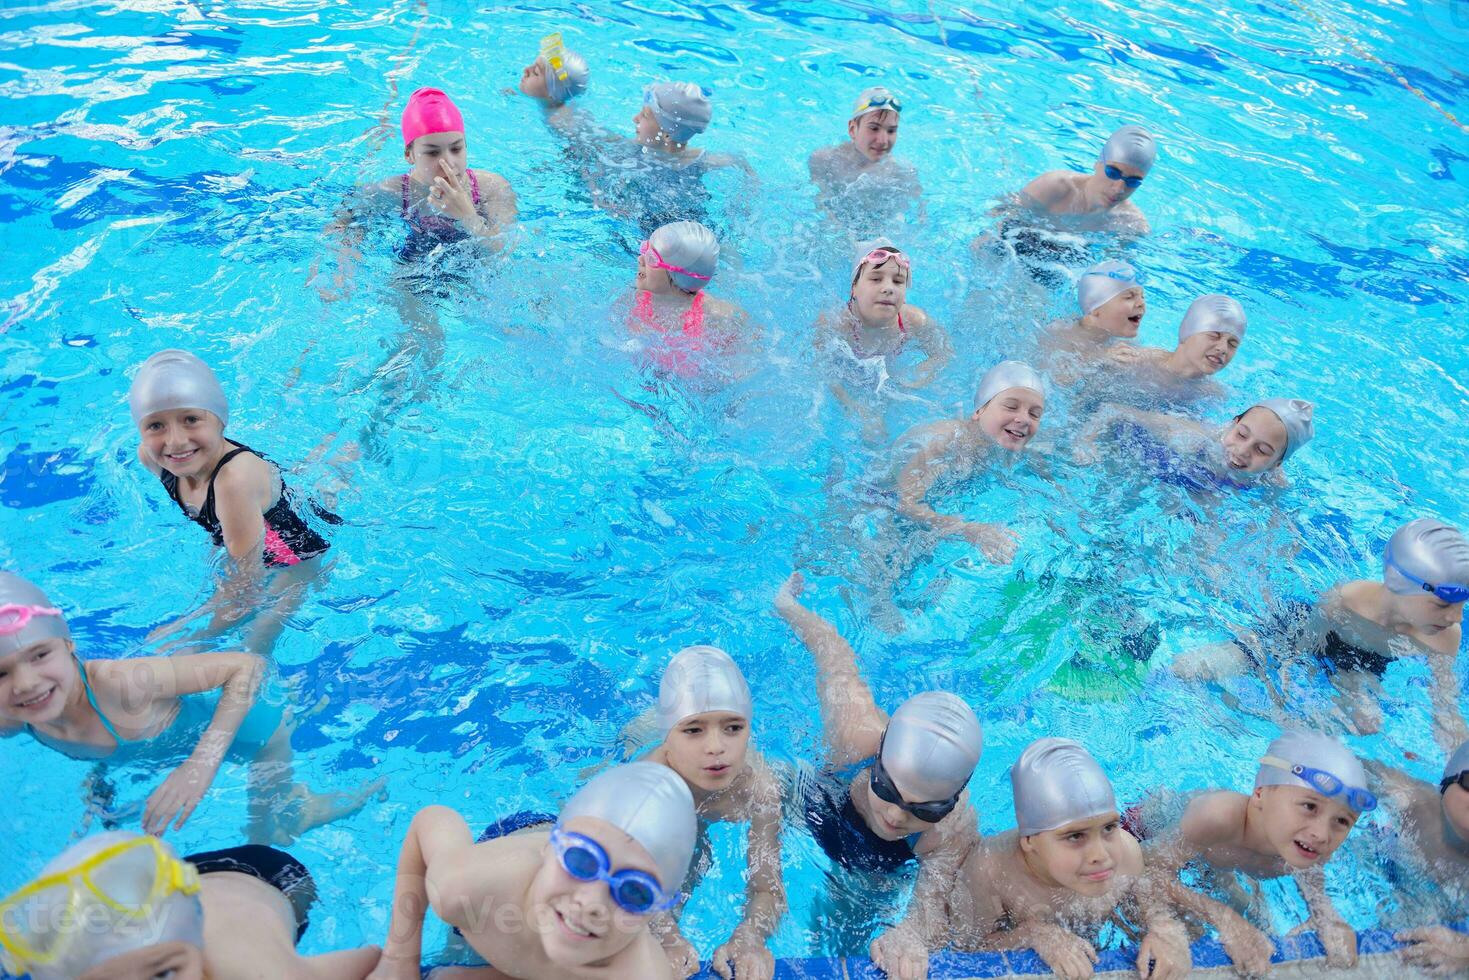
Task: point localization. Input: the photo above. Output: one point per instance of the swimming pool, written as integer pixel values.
(539, 521)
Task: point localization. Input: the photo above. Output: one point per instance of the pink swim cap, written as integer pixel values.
(430, 111)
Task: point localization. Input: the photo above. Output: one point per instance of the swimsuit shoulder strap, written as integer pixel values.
(643, 308)
(900, 323)
(693, 320)
(208, 507)
(406, 209)
(473, 186)
(92, 700)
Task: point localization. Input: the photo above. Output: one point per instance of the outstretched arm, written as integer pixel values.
(902, 951)
(1337, 938)
(745, 956)
(939, 454)
(852, 722)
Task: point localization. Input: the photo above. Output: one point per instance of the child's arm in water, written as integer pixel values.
(934, 342)
(1449, 729)
(851, 720)
(1164, 952)
(943, 449)
(121, 684)
(745, 954)
(902, 950)
(1337, 938)
(1166, 428)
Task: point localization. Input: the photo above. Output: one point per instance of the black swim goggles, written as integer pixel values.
(1462, 779)
(882, 785)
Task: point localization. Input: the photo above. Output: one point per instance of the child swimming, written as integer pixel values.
(122, 906)
(237, 495)
(1359, 628)
(704, 714)
(1250, 450)
(1066, 869)
(1429, 845)
(1208, 338)
(860, 180)
(154, 709)
(892, 789)
(572, 900)
(1309, 792)
(1007, 415)
(1102, 199)
(675, 265)
(557, 75)
(1112, 301)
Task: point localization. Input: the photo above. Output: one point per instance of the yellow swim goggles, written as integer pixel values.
(553, 51)
(38, 922)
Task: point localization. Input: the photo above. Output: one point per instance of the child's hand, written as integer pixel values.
(1069, 956)
(179, 794)
(451, 193)
(682, 956)
(790, 593)
(998, 543)
(1436, 949)
(901, 954)
(1340, 942)
(1248, 948)
(1164, 955)
(744, 957)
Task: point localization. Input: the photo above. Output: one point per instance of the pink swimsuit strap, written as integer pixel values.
(693, 318)
(407, 183)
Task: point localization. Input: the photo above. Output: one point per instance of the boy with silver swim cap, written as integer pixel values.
(704, 718)
(1251, 447)
(1208, 338)
(1111, 298)
(1068, 866)
(1309, 792)
(1009, 403)
(557, 75)
(1099, 200)
(123, 906)
(1429, 848)
(892, 790)
(865, 160)
(582, 892)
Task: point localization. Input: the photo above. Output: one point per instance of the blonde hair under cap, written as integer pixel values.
(15, 590)
(173, 379)
(1295, 414)
(1007, 375)
(932, 744)
(700, 679)
(1102, 282)
(652, 805)
(1213, 312)
(1429, 549)
(1057, 782)
(681, 108)
(690, 246)
(104, 933)
(1316, 751)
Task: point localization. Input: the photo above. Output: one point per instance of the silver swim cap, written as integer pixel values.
(1057, 782)
(1006, 375)
(174, 379)
(20, 628)
(681, 108)
(1458, 762)
(1102, 282)
(864, 250)
(1314, 751)
(700, 679)
(99, 932)
(568, 79)
(1429, 550)
(932, 745)
(1131, 145)
(875, 99)
(1213, 312)
(691, 247)
(652, 805)
(1295, 413)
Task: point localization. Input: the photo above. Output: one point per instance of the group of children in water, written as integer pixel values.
(594, 888)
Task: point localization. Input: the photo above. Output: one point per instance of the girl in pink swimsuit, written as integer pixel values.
(674, 265)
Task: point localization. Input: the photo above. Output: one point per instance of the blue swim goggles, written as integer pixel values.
(1128, 274)
(1114, 174)
(1325, 783)
(585, 860)
(1445, 591)
(878, 102)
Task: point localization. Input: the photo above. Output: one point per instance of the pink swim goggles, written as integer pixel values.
(878, 256)
(14, 618)
(658, 262)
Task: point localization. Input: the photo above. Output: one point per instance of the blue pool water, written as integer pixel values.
(538, 520)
